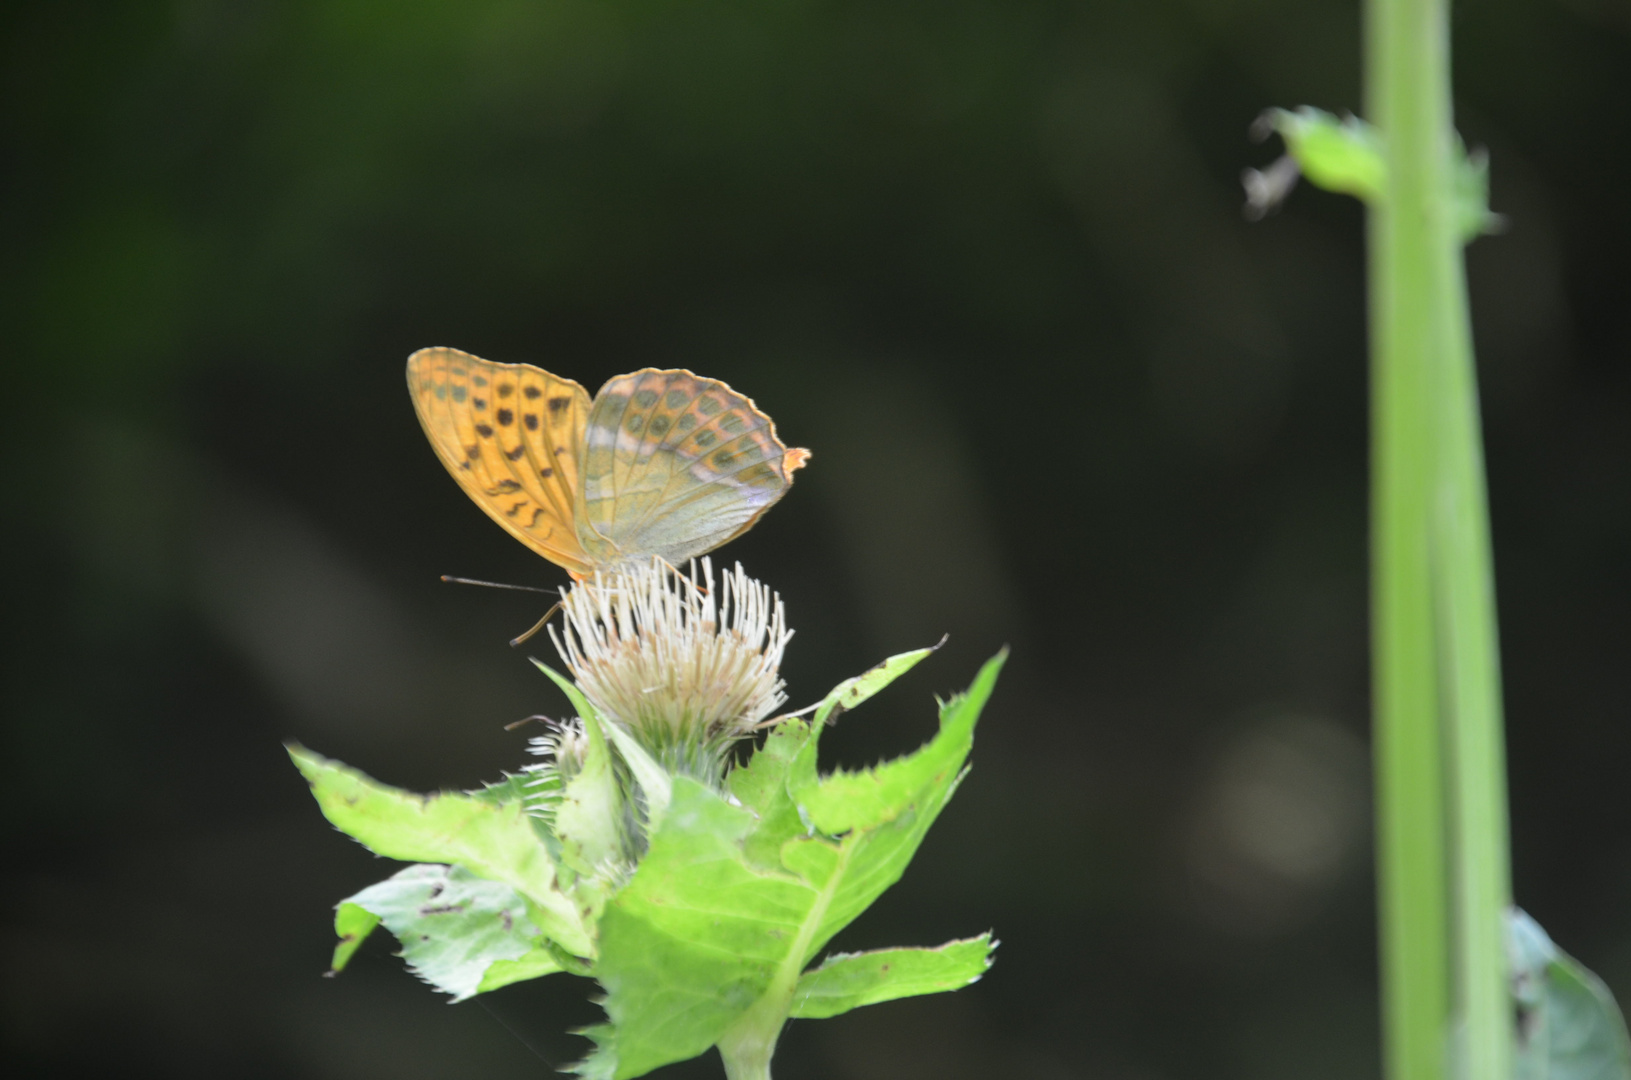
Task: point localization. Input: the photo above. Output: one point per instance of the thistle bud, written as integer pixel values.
(685, 666)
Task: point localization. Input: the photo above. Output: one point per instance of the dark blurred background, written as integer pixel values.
(987, 260)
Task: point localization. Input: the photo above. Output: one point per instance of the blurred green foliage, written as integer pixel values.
(987, 261)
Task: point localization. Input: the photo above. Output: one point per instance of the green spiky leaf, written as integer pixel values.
(460, 933)
(492, 841)
(851, 692)
(846, 981)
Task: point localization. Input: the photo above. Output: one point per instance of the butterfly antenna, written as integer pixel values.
(537, 626)
(492, 584)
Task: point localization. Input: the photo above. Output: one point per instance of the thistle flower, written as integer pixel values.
(685, 667)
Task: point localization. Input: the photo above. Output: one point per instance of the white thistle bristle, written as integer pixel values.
(563, 748)
(564, 744)
(684, 666)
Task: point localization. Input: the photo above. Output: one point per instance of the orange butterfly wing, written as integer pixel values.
(512, 436)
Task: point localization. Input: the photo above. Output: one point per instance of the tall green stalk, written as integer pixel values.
(1442, 859)
(1464, 584)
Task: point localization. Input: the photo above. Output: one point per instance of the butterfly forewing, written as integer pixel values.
(675, 465)
(511, 435)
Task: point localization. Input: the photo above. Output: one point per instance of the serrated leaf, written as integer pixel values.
(454, 928)
(352, 925)
(496, 842)
(537, 962)
(847, 981)
(851, 692)
(846, 800)
(704, 932)
(601, 1064)
(1569, 1026)
(762, 785)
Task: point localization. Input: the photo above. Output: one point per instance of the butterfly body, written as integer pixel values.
(660, 463)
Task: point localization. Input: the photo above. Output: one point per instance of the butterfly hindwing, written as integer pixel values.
(675, 465)
(512, 436)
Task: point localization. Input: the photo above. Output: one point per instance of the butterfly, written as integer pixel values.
(659, 463)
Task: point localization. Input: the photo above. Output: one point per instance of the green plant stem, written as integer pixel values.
(1437, 659)
(1404, 64)
(751, 1042)
(1470, 671)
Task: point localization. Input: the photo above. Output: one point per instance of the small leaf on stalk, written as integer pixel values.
(847, 981)
(1344, 156)
(1349, 156)
(1568, 1026)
